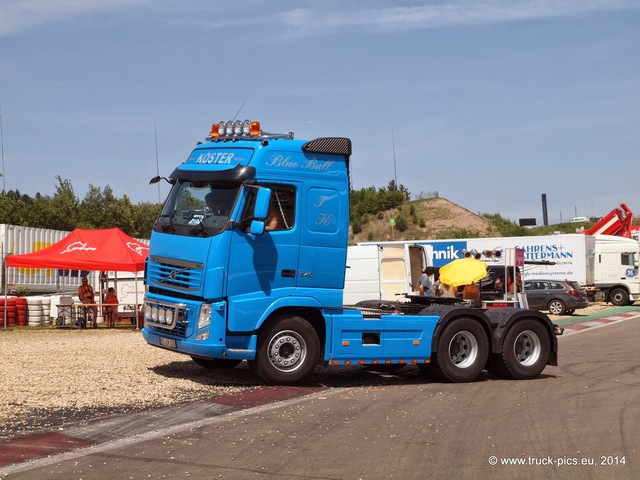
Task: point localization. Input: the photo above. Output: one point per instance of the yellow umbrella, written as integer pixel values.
(463, 271)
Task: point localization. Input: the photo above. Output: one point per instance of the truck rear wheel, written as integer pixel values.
(619, 297)
(213, 363)
(461, 353)
(288, 351)
(525, 351)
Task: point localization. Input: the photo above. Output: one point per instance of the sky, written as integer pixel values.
(488, 103)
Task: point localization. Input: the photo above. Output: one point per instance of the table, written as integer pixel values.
(77, 313)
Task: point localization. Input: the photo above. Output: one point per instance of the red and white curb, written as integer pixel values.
(600, 322)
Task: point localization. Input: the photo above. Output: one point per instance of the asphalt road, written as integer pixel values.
(578, 420)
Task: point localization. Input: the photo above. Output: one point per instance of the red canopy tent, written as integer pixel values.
(107, 249)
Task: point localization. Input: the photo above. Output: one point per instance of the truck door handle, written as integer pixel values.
(288, 273)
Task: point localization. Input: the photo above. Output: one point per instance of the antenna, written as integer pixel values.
(302, 125)
(393, 144)
(2, 150)
(238, 112)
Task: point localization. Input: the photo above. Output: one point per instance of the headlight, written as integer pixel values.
(246, 128)
(163, 314)
(237, 128)
(203, 335)
(204, 319)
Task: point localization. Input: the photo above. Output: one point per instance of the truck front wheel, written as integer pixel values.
(619, 297)
(288, 351)
(525, 351)
(462, 351)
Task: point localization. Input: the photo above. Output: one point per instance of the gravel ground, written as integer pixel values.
(54, 377)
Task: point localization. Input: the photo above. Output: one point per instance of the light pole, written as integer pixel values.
(2, 151)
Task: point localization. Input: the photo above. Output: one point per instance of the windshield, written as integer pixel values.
(197, 206)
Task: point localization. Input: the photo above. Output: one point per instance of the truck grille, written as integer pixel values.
(175, 274)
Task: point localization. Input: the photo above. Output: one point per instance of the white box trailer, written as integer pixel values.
(383, 271)
(18, 240)
(599, 263)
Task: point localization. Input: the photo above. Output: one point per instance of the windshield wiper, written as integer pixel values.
(170, 226)
(199, 229)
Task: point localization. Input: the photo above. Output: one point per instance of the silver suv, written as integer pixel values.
(559, 297)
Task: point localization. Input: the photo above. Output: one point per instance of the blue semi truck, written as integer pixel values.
(247, 262)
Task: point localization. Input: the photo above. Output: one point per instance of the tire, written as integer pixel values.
(213, 363)
(429, 371)
(556, 307)
(495, 366)
(619, 297)
(288, 351)
(525, 351)
(461, 352)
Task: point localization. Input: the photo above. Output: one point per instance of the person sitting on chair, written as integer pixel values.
(87, 298)
(112, 308)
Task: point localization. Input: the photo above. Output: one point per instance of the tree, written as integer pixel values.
(507, 228)
(401, 223)
(65, 207)
(371, 200)
(145, 216)
(93, 209)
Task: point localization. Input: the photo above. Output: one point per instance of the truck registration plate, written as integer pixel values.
(168, 342)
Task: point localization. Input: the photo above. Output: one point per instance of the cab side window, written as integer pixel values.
(282, 208)
(627, 259)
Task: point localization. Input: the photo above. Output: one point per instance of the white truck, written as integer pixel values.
(384, 270)
(604, 263)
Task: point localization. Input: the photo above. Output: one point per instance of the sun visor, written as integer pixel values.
(239, 173)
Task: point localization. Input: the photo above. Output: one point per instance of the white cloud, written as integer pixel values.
(311, 22)
(324, 17)
(16, 17)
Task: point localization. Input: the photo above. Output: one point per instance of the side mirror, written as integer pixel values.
(257, 227)
(261, 209)
(157, 178)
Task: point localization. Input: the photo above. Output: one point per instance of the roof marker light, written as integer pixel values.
(254, 129)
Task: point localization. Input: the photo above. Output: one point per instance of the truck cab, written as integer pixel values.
(212, 246)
